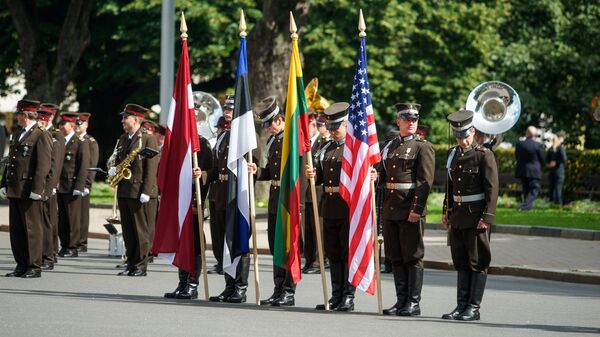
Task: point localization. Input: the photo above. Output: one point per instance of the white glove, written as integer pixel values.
(34, 196)
(3, 193)
(144, 198)
(86, 191)
(112, 171)
(77, 193)
(54, 191)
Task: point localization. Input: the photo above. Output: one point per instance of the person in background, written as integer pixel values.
(556, 157)
(530, 159)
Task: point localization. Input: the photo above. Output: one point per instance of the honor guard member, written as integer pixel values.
(136, 191)
(71, 185)
(81, 129)
(187, 288)
(469, 210)
(24, 183)
(335, 211)
(310, 237)
(407, 168)
(235, 288)
(149, 127)
(46, 114)
(272, 119)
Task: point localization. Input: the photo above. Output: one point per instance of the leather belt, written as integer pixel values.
(331, 189)
(400, 186)
(223, 177)
(469, 198)
(276, 183)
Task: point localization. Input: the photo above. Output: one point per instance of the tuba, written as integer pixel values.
(313, 99)
(496, 106)
(208, 110)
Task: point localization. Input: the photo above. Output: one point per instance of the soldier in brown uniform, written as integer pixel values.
(81, 129)
(134, 192)
(46, 114)
(149, 127)
(24, 183)
(272, 118)
(335, 211)
(407, 168)
(308, 218)
(71, 185)
(469, 210)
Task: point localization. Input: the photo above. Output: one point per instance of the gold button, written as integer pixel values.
(458, 179)
(459, 166)
(392, 178)
(458, 192)
(330, 181)
(393, 166)
(462, 154)
(330, 193)
(332, 158)
(458, 204)
(276, 152)
(331, 169)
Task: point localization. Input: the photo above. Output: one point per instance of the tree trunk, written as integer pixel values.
(41, 82)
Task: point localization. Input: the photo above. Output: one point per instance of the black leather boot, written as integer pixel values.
(471, 313)
(463, 287)
(289, 290)
(336, 272)
(400, 283)
(278, 279)
(183, 275)
(190, 292)
(241, 281)
(229, 290)
(415, 284)
(347, 303)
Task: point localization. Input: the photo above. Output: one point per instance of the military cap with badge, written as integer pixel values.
(335, 114)
(267, 109)
(461, 122)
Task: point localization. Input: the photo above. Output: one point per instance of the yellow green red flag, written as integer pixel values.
(295, 141)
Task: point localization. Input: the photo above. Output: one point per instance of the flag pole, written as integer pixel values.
(362, 27)
(183, 30)
(251, 193)
(313, 192)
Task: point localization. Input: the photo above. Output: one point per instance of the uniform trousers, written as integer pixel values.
(404, 241)
(470, 248)
(69, 220)
(50, 230)
(217, 232)
(85, 221)
(135, 232)
(310, 236)
(151, 214)
(25, 219)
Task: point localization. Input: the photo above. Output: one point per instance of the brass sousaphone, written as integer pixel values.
(313, 99)
(208, 110)
(496, 106)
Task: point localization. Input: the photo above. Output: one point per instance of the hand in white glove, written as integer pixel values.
(144, 198)
(53, 191)
(77, 193)
(34, 196)
(86, 191)
(112, 171)
(3, 193)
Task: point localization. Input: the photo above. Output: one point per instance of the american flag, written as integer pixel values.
(361, 152)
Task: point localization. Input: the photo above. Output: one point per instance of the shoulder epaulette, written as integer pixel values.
(81, 138)
(92, 139)
(481, 148)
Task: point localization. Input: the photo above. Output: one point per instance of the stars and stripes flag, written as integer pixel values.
(361, 152)
(174, 238)
(242, 141)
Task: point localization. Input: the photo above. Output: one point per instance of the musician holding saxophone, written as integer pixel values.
(134, 175)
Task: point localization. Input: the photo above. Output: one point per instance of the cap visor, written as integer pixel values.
(332, 126)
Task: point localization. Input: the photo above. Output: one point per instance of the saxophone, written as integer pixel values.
(123, 171)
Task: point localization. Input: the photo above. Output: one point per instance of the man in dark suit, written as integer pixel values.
(469, 211)
(81, 129)
(46, 114)
(23, 183)
(71, 185)
(530, 159)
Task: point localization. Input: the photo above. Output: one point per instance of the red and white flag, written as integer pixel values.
(361, 152)
(174, 236)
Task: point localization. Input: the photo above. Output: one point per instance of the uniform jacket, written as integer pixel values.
(94, 154)
(143, 170)
(272, 170)
(75, 165)
(472, 171)
(218, 188)
(406, 160)
(530, 159)
(29, 163)
(329, 169)
(58, 155)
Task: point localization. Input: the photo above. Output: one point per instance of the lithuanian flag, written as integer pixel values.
(295, 141)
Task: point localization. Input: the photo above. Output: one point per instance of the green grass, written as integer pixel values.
(101, 193)
(583, 214)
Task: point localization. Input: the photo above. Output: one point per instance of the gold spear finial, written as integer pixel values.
(183, 27)
(361, 25)
(293, 28)
(242, 25)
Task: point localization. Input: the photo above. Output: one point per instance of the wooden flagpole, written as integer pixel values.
(251, 192)
(183, 30)
(362, 27)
